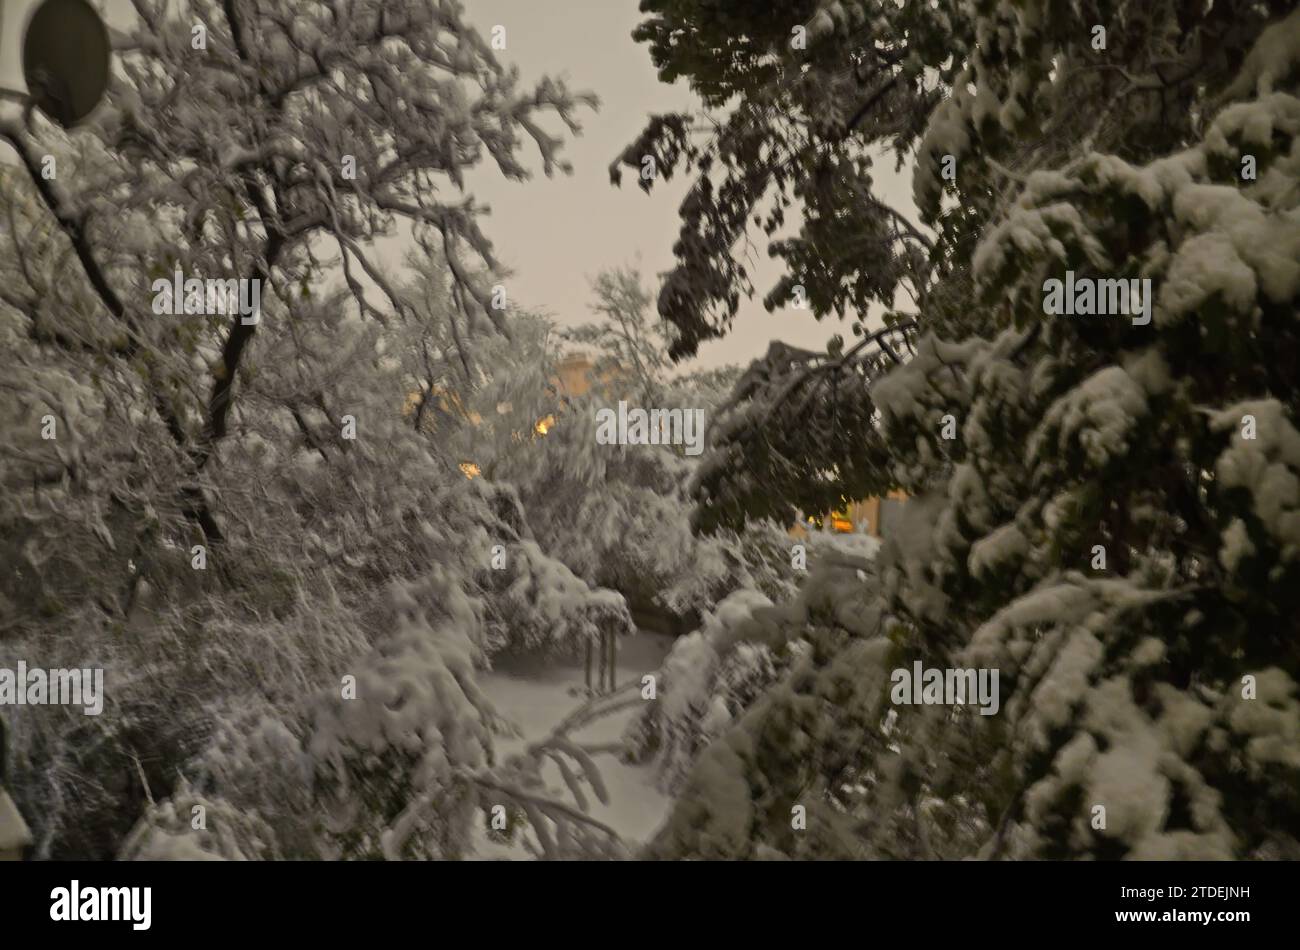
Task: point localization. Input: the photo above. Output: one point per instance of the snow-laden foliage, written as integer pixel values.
(759, 465)
(286, 577)
(539, 604)
(177, 830)
(1110, 526)
(618, 516)
(712, 675)
(701, 686)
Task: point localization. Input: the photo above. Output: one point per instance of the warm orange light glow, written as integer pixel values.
(470, 469)
(544, 425)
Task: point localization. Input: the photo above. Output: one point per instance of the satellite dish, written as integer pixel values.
(65, 60)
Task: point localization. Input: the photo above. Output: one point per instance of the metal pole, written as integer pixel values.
(613, 660)
(588, 666)
(600, 665)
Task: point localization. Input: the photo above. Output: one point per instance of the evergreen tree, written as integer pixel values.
(1106, 520)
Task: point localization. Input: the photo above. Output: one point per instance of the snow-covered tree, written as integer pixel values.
(629, 344)
(618, 515)
(233, 517)
(1107, 523)
(793, 93)
(293, 130)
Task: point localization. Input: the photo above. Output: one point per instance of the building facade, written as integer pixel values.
(874, 516)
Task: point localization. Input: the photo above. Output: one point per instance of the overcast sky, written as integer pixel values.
(556, 234)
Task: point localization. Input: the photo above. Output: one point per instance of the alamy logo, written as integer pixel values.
(179, 296)
(103, 903)
(653, 427)
(1084, 296)
(935, 687)
(36, 687)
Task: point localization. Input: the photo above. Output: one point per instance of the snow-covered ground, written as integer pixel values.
(536, 695)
